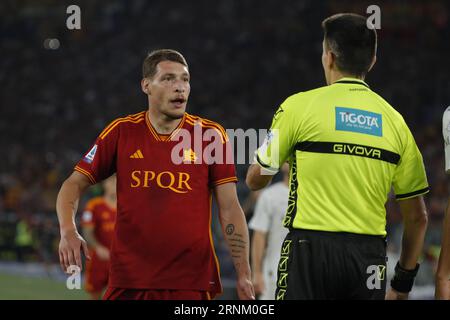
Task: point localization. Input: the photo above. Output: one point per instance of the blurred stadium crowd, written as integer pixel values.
(245, 57)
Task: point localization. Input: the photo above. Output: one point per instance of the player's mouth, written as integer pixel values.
(178, 102)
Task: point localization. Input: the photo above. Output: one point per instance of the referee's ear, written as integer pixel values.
(374, 60)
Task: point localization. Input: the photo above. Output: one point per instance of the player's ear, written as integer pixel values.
(374, 60)
(145, 85)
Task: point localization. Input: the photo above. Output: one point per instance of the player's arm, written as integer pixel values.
(71, 242)
(234, 227)
(415, 223)
(259, 241)
(443, 271)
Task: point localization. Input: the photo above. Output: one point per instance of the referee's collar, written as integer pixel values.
(352, 81)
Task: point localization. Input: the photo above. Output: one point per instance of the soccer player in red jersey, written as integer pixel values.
(98, 221)
(162, 247)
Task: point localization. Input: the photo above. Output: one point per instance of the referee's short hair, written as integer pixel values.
(353, 44)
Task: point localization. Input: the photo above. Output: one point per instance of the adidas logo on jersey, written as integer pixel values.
(137, 155)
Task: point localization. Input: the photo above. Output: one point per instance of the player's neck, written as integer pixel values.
(162, 123)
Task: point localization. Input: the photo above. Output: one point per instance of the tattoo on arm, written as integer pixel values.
(237, 245)
(229, 229)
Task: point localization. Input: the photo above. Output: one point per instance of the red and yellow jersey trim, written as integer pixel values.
(177, 129)
(86, 173)
(150, 127)
(216, 260)
(193, 120)
(224, 180)
(163, 137)
(134, 118)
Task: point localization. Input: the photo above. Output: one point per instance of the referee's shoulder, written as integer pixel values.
(303, 98)
(389, 109)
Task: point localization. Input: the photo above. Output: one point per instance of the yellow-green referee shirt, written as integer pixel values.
(346, 147)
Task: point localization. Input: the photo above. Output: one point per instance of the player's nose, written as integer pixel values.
(180, 87)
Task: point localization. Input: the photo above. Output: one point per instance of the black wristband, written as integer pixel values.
(403, 279)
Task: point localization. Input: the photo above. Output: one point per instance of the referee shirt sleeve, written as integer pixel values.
(281, 138)
(410, 179)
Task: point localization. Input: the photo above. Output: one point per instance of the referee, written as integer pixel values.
(346, 147)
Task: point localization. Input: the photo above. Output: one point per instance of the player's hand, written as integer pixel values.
(102, 253)
(245, 289)
(70, 248)
(395, 295)
(442, 291)
(258, 283)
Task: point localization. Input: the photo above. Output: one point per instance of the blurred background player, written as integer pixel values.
(97, 223)
(442, 290)
(268, 235)
(347, 147)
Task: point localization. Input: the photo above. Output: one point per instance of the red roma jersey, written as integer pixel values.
(163, 228)
(101, 216)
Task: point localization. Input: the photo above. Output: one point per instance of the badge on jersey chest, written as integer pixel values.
(361, 121)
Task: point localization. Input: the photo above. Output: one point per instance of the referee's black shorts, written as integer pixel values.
(331, 265)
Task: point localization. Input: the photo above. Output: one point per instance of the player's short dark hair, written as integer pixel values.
(155, 57)
(351, 41)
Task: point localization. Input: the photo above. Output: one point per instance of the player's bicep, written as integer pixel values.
(226, 197)
(74, 185)
(80, 180)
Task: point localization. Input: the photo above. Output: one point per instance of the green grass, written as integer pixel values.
(27, 288)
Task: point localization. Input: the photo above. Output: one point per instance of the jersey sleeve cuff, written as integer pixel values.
(413, 194)
(86, 173)
(224, 180)
(266, 167)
